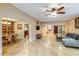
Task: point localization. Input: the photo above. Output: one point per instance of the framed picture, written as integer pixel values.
(19, 26)
(77, 23)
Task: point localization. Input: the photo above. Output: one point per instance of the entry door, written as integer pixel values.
(55, 29)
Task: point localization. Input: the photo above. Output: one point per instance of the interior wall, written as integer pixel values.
(0, 38)
(72, 28)
(9, 11)
(45, 25)
(69, 26)
(20, 32)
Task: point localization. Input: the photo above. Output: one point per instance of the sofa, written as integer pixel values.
(71, 39)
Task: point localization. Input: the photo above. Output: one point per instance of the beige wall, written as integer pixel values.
(69, 26)
(72, 26)
(0, 38)
(45, 25)
(20, 32)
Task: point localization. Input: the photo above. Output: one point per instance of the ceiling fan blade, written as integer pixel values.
(61, 12)
(60, 8)
(49, 10)
(47, 14)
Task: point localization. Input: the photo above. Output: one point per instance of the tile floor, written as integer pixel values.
(47, 46)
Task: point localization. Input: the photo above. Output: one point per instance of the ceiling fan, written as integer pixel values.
(55, 10)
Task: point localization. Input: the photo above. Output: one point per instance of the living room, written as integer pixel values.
(45, 33)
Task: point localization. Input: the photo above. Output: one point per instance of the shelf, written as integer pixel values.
(8, 28)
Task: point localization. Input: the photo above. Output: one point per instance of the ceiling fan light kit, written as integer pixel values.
(55, 10)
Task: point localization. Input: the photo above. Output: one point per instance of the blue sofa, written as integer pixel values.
(71, 39)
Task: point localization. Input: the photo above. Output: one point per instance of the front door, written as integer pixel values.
(55, 29)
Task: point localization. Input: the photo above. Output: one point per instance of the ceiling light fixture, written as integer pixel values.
(53, 14)
(49, 27)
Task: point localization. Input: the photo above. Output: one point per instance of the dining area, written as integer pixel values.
(11, 44)
(9, 38)
(8, 34)
(12, 37)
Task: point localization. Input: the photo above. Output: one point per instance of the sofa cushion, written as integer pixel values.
(77, 37)
(72, 35)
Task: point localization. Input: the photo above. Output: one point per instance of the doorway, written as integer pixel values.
(55, 29)
(26, 31)
(59, 31)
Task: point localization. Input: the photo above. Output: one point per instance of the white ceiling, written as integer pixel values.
(36, 10)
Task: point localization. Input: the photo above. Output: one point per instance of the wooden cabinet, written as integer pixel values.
(8, 28)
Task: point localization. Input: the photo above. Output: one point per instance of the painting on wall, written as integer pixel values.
(77, 23)
(19, 26)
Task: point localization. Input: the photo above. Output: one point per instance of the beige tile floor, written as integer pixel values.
(13, 48)
(47, 46)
